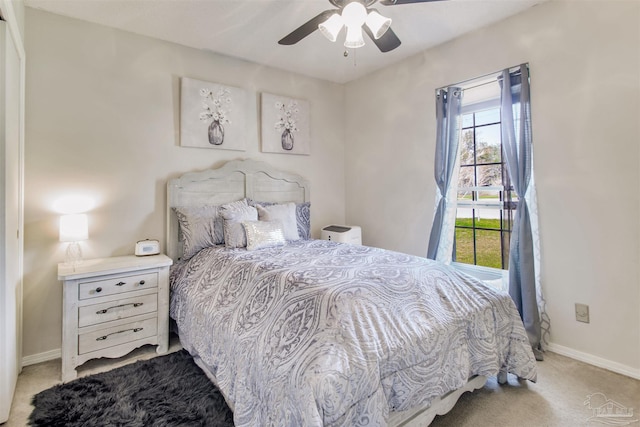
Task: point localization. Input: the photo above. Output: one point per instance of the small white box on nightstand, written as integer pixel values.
(343, 234)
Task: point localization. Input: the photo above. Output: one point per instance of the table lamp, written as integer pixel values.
(73, 229)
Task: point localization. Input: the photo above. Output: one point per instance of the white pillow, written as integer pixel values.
(233, 214)
(263, 234)
(286, 213)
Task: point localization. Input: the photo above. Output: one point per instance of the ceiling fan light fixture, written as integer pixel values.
(354, 37)
(331, 27)
(354, 14)
(377, 23)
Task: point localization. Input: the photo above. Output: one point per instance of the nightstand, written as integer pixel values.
(112, 306)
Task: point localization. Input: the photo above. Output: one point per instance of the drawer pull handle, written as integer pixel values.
(104, 337)
(134, 304)
(142, 282)
(120, 284)
(98, 290)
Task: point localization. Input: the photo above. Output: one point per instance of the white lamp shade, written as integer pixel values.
(354, 38)
(331, 27)
(354, 14)
(377, 23)
(74, 228)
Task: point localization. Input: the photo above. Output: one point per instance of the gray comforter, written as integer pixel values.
(317, 333)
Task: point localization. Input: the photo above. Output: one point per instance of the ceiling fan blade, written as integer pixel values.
(393, 2)
(307, 28)
(387, 42)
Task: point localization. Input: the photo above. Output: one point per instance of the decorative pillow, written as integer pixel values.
(303, 220)
(263, 234)
(233, 214)
(200, 227)
(286, 213)
(303, 216)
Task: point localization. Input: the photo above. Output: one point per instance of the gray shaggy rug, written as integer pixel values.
(168, 390)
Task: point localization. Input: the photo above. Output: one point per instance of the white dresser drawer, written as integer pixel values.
(116, 335)
(117, 285)
(118, 309)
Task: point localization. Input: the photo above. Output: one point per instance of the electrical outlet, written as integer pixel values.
(582, 313)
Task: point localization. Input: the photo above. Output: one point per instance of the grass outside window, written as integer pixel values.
(488, 250)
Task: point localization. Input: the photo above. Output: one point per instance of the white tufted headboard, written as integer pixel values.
(235, 180)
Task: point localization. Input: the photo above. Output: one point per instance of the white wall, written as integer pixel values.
(103, 120)
(584, 59)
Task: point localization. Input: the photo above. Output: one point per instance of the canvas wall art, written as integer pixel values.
(212, 115)
(285, 125)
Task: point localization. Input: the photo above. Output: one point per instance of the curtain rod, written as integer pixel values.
(480, 84)
(496, 75)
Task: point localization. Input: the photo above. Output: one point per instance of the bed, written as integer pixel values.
(317, 333)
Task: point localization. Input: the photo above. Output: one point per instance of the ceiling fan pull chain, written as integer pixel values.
(355, 55)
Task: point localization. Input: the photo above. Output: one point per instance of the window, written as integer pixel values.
(486, 200)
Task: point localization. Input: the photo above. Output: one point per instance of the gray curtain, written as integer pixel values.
(516, 140)
(448, 107)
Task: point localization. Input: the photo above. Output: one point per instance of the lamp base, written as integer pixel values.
(73, 255)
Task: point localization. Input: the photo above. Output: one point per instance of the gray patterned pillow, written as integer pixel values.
(233, 214)
(303, 219)
(286, 213)
(200, 227)
(263, 234)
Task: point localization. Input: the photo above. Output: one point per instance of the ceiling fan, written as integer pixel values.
(356, 16)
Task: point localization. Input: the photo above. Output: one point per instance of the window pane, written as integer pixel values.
(466, 148)
(507, 226)
(488, 144)
(464, 216)
(490, 175)
(465, 195)
(488, 116)
(488, 248)
(467, 120)
(466, 177)
(464, 245)
(490, 195)
(488, 218)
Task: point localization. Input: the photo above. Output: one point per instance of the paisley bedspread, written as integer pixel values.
(317, 333)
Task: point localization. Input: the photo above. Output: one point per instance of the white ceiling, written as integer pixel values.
(250, 29)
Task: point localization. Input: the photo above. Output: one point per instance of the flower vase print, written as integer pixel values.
(212, 115)
(285, 125)
(215, 110)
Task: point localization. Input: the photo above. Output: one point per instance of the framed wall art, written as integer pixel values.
(285, 125)
(212, 115)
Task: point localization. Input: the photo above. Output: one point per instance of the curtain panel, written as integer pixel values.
(448, 108)
(524, 283)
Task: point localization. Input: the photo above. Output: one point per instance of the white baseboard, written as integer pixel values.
(616, 367)
(41, 357)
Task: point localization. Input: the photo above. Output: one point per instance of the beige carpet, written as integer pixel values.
(557, 399)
